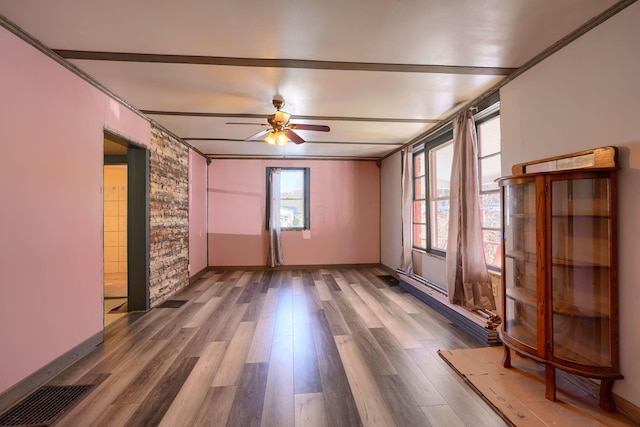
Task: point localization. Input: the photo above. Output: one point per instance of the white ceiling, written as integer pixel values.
(380, 73)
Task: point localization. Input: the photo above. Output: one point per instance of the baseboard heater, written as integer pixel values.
(476, 325)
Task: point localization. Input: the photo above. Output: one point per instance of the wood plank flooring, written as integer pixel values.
(279, 348)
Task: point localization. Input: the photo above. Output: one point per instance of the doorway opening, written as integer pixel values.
(115, 242)
(126, 228)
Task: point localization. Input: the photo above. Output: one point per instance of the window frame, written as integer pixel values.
(414, 180)
(480, 118)
(307, 196)
(424, 148)
(443, 137)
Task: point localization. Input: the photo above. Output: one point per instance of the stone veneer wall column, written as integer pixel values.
(169, 216)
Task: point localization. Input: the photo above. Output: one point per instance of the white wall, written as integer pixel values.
(432, 268)
(588, 95)
(390, 212)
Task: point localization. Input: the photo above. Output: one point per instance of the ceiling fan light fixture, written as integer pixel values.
(271, 138)
(281, 138)
(279, 131)
(277, 138)
(282, 117)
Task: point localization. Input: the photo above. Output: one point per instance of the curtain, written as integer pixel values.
(468, 279)
(406, 261)
(276, 256)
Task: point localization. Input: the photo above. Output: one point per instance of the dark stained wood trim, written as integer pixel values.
(290, 267)
(306, 142)
(281, 63)
(115, 160)
(138, 229)
(193, 279)
(262, 117)
(290, 157)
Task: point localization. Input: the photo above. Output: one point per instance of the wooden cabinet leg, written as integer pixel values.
(606, 400)
(506, 359)
(550, 373)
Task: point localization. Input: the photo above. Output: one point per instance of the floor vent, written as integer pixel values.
(43, 406)
(172, 303)
(389, 280)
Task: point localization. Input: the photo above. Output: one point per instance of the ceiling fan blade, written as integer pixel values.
(244, 123)
(294, 136)
(319, 128)
(258, 136)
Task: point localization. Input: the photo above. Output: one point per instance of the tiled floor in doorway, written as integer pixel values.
(115, 297)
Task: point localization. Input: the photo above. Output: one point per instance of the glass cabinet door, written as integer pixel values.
(520, 262)
(580, 270)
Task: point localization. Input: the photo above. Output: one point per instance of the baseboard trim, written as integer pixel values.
(291, 267)
(22, 389)
(471, 323)
(193, 279)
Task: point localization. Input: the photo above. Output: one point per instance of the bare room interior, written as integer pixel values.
(319, 213)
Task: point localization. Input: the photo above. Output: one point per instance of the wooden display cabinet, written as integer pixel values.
(559, 274)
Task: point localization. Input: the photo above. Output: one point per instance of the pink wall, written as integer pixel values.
(197, 212)
(345, 214)
(51, 222)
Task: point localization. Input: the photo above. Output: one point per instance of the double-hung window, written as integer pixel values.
(432, 172)
(431, 189)
(489, 170)
(294, 198)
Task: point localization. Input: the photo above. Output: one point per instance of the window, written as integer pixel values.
(432, 172)
(440, 160)
(419, 202)
(489, 160)
(294, 198)
(431, 188)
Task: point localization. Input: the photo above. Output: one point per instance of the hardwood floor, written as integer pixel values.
(279, 348)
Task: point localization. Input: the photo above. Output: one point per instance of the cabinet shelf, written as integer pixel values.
(579, 216)
(528, 297)
(556, 262)
(520, 256)
(559, 268)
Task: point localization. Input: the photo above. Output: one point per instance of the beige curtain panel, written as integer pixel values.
(468, 280)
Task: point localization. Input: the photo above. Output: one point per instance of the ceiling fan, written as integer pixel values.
(279, 130)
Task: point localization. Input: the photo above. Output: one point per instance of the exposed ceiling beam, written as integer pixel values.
(281, 63)
(306, 142)
(297, 116)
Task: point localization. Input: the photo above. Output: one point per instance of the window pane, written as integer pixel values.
(492, 247)
(419, 192)
(439, 224)
(490, 210)
(420, 236)
(489, 172)
(292, 203)
(440, 160)
(420, 212)
(292, 213)
(292, 184)
(418, 164)
(489, 136)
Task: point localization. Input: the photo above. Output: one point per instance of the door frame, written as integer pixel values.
(138, 193)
